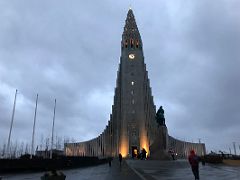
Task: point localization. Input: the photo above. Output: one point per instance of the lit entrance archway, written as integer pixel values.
(134, 151)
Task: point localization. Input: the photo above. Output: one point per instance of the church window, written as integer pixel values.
(133, 101)
(126, 43)
(137, 43)
(132, 42)
(132, 83)
(132, 92)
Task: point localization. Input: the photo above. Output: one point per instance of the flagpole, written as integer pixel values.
(34, 123)
(54, 112)
(10, 132)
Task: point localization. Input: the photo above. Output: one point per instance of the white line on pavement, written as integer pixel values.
(140, 175)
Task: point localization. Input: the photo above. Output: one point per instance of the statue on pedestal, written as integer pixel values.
(160, 117)
(159, 147)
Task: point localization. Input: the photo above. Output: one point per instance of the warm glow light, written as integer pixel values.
(124, 148)
(144, 144)
(135, 152)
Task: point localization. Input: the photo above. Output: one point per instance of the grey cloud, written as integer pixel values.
(70, 51)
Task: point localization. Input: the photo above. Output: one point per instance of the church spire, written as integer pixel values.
(131, 37)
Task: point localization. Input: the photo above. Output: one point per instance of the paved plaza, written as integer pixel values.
(142, 170)
(180, 169)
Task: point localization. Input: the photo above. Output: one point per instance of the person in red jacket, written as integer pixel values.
(194, 161)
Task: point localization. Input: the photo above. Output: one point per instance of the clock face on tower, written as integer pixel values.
(131, 56)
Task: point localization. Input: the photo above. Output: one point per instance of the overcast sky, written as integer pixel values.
(70, 50)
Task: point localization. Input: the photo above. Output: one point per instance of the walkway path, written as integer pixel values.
(141, 170)
(101, 172)
(180, 170)
(123, 172)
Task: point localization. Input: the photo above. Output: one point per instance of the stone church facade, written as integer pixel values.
(132, 125)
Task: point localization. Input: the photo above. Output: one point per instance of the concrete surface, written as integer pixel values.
(141, 170)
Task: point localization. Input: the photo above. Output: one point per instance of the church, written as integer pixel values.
(132, 125)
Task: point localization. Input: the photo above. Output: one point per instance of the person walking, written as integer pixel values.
(194, 162)
(173, 155)
(110, 162)
(120, 158)
(144, 154)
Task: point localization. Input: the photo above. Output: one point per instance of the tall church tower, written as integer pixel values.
(133, 109)
(132, 125)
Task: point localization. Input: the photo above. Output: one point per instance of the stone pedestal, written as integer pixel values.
(158, 149)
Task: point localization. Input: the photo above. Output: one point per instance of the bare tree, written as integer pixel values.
(66, 140)
(3, 150)
(21, 149)
(26, 149)
(41, 142)
(59, 143)
(47, 143)
(56, 139)
(15, 147)
(73, 140)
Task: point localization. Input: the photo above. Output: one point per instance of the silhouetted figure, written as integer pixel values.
(143, 154)
(173, 155)
(194, 162)
(53, 174)
(110, 162)
(222, 154)
(139, 155)
(160, 117)
(203, 160)
(120, 158)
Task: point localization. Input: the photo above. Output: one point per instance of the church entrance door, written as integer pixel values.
(134, 151)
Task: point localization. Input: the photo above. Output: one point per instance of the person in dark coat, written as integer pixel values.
(144, 154)
(110, 162)
(173, 155)
(120, 158)
(194, 162)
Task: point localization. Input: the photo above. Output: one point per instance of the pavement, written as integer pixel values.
(100, 172)
(141, 170)
(180, 170)
(123, 172)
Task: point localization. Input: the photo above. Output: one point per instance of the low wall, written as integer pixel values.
(182, 148)
(20, 165)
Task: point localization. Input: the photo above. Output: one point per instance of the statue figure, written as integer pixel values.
(160, 117)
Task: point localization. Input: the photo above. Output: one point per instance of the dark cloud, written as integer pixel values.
(70, 51)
